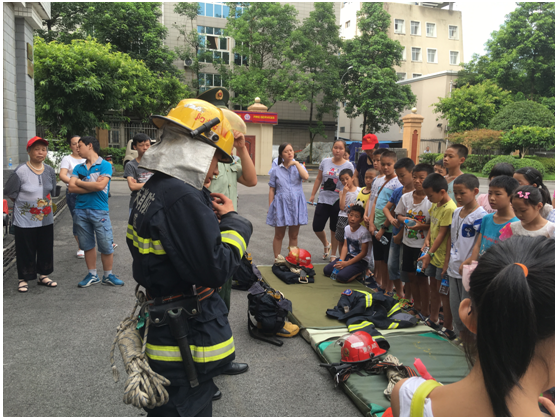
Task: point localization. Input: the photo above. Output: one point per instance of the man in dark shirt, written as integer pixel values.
(369, 143)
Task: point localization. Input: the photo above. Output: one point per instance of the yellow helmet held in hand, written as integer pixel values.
(192, 114)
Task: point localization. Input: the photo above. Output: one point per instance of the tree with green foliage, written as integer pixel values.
(472, 107)
(130, 27)
(370, 88)
(263, 36)
(525, 137)
(522, 113)
(520, 56)
(316, 48)
(78, 84)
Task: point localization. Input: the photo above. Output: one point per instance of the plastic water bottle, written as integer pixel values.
(335, 271)
(419, 264)
(383, 240)
(10, 164)
(410, 222)
(444, 288)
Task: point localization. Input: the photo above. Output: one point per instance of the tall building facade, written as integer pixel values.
(293, 120)
(431, 36)
(20, 20)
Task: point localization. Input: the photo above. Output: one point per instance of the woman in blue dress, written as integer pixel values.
(287, 200)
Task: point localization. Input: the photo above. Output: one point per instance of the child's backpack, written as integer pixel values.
(269, 308)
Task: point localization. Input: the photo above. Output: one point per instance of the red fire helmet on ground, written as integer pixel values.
(299, 257)
(359, 347)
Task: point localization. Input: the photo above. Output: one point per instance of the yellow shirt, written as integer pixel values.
(362, 200)
(440, 216)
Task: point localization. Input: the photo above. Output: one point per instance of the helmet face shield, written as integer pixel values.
(191, 114)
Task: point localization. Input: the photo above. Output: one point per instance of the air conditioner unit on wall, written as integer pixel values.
(188, 62)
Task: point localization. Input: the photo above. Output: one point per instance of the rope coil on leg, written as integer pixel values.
(144, 388)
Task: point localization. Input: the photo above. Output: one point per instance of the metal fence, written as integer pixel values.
(121, 133)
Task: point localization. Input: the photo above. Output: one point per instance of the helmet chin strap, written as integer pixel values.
(180, 156)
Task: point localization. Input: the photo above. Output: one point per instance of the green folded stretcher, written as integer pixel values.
(444, 361)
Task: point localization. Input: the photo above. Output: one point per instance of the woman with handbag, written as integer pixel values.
(30, 187)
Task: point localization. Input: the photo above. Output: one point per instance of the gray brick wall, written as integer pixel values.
(10, 94)
(25, 87)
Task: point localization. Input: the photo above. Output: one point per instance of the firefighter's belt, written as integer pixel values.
(159, 307)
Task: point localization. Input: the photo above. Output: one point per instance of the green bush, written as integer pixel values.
(117, 154)
(548, 163)
(430, 158)
(475, 162)
(516, 163)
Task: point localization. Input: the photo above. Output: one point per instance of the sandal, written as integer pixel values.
(47, 282)
(431, 324)
(326, 251)
(23, 286)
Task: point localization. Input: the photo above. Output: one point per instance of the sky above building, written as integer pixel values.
(480, 19)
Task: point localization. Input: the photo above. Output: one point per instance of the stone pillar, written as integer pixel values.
(412, 127)
(264, 134)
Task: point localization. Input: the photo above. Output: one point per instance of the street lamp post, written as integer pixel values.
(340, 82)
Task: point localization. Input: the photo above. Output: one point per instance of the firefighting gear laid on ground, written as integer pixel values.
(367, 312)
(291, 270)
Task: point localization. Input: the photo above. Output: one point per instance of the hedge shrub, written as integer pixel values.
(117, 154)
(549, 164)
(430, 158)
(516, 163)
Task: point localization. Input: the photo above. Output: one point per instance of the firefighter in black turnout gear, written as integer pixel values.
(186, 243)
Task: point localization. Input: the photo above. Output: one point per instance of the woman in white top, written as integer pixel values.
(511, 332)
(66, 169)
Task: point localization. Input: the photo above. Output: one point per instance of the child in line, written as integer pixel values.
(527, 202)
(439, 168)
(503, 168)
(379, 225)
(531, 176)
(347, 198)
(403, 169)
(454, 157)
(509, 317)
(364, 194)
(415, 205)
(377, 183)
(136, 177)
(434, 262)
(355, 249)
(500, 190)
(465, 229)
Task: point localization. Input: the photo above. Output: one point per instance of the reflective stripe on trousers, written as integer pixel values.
(201, 354)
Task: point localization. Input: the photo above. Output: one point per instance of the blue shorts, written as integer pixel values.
(90, 222)
(433, 271)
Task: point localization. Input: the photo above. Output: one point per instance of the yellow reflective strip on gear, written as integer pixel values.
(394, 309)
(368, 297)
(359, 326)
(145, 245)
(201, 354)
(378, 337)
(233, 238)
(393, 325)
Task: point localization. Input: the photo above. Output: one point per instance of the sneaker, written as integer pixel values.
(404, 303)
(80, 254)
(88, 281)
(112, 280)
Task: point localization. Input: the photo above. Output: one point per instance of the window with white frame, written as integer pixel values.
(213, 41)
(453, 32)
(414, 75)
(414, 28)
(214, 9)
(404, 58)
(399, 26)
(454, 57)
(431, 30)
(417, 54)
(347, 24)
(208, 81)
(401, 76)
(432, 56)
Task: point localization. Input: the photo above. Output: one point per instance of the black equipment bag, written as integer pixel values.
(246, 275)
(269, 308)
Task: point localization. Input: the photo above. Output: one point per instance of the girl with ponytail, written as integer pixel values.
(510, 330)
(531, 176)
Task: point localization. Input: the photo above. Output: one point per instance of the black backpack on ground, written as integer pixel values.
(269, 308)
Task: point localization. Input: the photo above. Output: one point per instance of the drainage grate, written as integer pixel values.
(9, 251)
